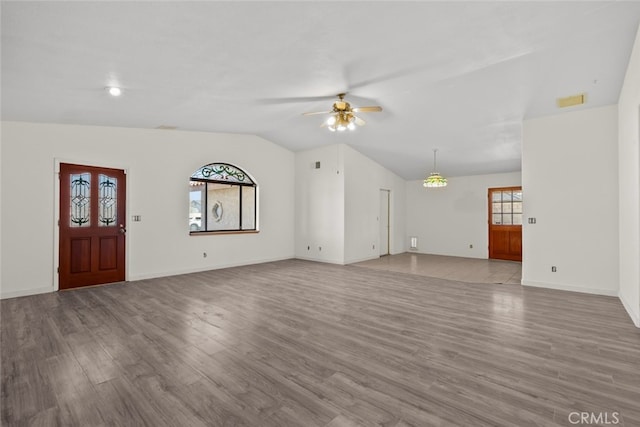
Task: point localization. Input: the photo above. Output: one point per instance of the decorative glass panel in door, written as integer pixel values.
(80, 199)
(107, 201)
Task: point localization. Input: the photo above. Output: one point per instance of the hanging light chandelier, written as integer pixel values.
(435, 180)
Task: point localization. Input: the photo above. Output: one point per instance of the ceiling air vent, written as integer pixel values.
(570, 101)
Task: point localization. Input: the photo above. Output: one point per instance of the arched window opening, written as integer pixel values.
(222, 198)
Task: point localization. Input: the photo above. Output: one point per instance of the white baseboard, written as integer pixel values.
(570, 288)
(375, 256)
(456, 255)
(327, 261)
(369, 258)
(635, 316)
(25, 292)
(144, 276)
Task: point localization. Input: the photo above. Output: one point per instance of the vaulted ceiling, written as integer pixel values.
(457, 76)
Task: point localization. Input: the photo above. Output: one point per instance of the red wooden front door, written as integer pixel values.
(92, 226)
(505, 223)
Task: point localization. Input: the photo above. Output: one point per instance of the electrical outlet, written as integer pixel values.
(204, 254)
(470, 245)
(553, 269)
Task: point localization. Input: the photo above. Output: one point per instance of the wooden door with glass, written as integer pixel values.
(92, 226)
(505, 223)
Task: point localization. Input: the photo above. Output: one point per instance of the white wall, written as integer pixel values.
(364, 179)
(570, 181)
(159, 164)
(319, 213)
(337, 205)
(447, 220)
(629, 185)
(1, 204)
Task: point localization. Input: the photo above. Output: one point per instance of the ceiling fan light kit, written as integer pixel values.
(341, 122)
(342, 115)
(434, 180)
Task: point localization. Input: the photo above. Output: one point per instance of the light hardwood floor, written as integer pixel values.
(297, 343)
(471, 270)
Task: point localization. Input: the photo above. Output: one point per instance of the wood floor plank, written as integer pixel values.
(26, 390)
(121, 404)
(297, 343)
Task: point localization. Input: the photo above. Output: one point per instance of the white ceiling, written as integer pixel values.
(455, 76)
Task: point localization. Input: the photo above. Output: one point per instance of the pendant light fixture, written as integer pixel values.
(435, 180)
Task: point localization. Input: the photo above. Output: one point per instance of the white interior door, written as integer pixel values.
(384, 222)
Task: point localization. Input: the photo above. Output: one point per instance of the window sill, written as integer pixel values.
(210, 233)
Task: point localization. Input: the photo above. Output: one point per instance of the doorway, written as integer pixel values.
(384, 223)
(505, 223)
(92, 226)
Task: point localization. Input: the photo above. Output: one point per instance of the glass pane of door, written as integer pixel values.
(80, 196)
(506, 207)
(107, 201)
(517, 207)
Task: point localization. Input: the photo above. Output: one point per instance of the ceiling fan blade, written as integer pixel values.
(296, 99)
(366, 109)
(354, 99)
(358, 68)
(359, 121)
(316, 112)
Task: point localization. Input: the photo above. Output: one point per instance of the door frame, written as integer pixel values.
(56, 212)
(388, 191)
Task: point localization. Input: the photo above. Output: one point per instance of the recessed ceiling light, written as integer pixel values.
(114, 91)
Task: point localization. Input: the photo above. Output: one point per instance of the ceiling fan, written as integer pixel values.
(343, 115)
